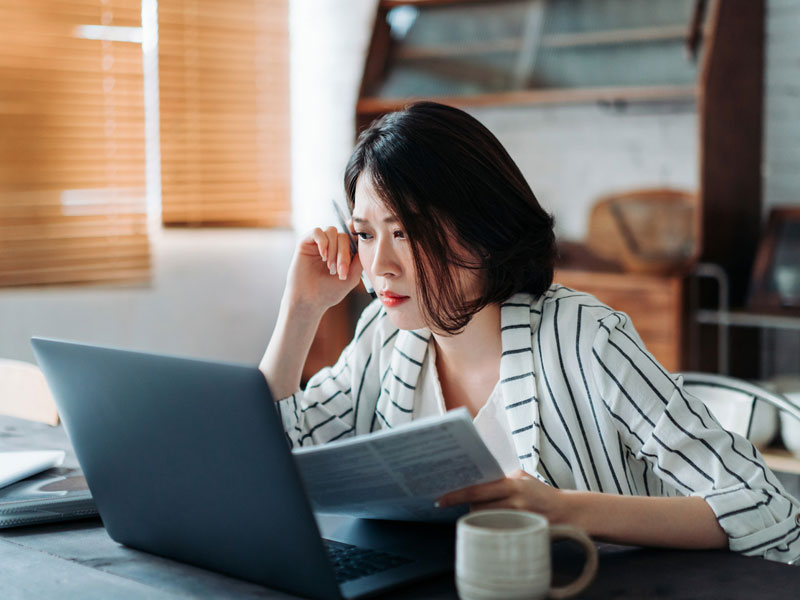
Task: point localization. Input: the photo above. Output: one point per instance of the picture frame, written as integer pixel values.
(775, 279)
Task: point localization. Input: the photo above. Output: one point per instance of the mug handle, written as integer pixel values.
(560, 532)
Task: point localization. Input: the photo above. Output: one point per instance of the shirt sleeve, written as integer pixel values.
(675, 433)
(327, 409)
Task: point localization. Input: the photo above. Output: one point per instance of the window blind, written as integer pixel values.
(72, 153)
(224, 104)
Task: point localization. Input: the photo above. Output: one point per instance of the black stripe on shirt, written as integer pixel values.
(418, 336)
(680, 391)
(516, 351)
(689, 461)
(788, 543)
(385, 373)
(408, 385)
(521, 402)
(624, 454)
(739, 511)
(330, 376)
(515, 377)
(340, 435)
(317, 426)
(623, 421)
(772, 541)
(575, 408)
(380, 414)
(518, 326)
(722, 493)
(547, 474)
(667, 471)
(560, 452)
(324, 402)
(555, 404)
(645, 477)
(396, 405)
(366, 326)
(611, 469)
(389, 339)
(407, 357)
(621, 388)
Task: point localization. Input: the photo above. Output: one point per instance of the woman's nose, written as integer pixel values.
(384, 263)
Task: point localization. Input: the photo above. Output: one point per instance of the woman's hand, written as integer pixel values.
(322, 273)
(519, 490)
(670, 522)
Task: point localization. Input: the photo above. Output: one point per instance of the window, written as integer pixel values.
(73, 154)
(224, 87)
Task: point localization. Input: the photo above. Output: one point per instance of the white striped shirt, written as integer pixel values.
(588, 407)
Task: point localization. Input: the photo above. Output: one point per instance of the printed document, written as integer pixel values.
(398, 473)
(21, 464)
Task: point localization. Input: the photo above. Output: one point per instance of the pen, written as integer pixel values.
(353, 245)
(343, 225)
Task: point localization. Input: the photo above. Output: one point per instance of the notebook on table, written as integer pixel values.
(57, 494)
(188, 459)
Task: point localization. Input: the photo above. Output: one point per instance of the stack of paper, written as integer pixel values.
(19, 465)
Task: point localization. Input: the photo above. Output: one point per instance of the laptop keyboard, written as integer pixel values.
(351, 562)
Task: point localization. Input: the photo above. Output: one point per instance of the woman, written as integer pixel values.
(589, 428)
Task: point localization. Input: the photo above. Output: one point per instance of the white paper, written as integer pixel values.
(398, 473)
(19, 465)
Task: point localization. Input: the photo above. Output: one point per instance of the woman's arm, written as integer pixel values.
(683, 445)
(320, 276)
(677, 522)
(288, 347)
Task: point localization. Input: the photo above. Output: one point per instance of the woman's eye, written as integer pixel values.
(400, 235)
(363, 235)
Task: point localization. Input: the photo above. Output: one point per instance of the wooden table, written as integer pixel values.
(78, 560)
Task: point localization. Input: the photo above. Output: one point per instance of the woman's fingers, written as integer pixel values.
(333, 242)
(321, 240)
(343, 256)
(493, 504)
(334, 249)
(483, 492)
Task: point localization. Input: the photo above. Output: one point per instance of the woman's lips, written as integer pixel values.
(392, 300)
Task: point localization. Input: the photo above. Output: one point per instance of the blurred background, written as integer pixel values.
(160, 156)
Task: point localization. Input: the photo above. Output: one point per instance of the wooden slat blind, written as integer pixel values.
(72, 155)
(224, 99)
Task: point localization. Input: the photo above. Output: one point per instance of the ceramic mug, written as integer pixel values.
(506, 554)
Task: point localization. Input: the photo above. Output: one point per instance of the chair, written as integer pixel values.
(742, 407)
(24, 392)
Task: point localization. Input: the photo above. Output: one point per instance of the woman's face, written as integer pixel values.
(386, 257)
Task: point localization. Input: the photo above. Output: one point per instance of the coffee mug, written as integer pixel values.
(506, 554)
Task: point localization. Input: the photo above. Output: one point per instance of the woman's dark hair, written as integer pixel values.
(445, 176)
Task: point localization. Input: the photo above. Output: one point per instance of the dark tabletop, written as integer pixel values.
(79, 560)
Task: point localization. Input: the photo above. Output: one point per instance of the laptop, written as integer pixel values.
(187, 459)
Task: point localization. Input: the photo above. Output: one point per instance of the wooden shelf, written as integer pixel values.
(459, 50)
(372, 105)
(741, 318)
(557, 40)
(615, 36)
